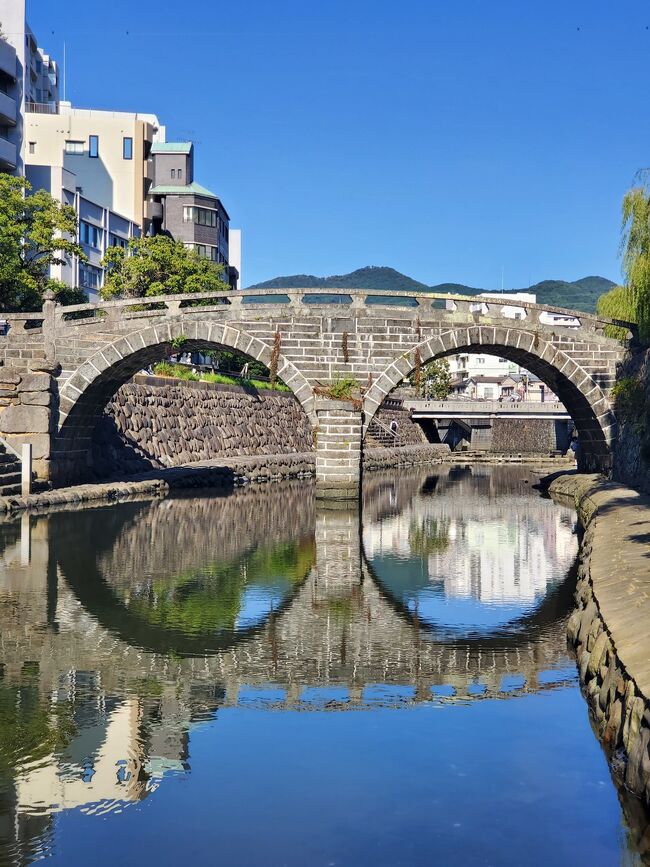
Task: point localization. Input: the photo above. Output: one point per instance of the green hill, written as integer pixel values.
(576, 295)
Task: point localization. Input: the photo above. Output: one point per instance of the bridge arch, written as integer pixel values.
(87, 391)
(580, 392)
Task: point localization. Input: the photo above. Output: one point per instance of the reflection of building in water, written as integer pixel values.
(512, 550)
(99, 769)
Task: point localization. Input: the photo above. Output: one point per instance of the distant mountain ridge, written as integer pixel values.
(577, 295)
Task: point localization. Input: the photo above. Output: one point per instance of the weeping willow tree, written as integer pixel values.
(635, 249)
(617, 304)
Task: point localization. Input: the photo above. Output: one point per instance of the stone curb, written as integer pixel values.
(608, 630)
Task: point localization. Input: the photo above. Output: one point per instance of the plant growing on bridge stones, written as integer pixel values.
(35, 232)
(345, 348)
(275, 357)
(159, 266)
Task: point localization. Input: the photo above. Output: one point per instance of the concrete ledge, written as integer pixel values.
(226, 473)
(609, 629)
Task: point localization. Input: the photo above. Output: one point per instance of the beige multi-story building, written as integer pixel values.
(108, 152)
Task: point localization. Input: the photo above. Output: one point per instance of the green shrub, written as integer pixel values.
(341, 389)
(629, 398)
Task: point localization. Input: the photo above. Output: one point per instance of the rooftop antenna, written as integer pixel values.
(502, 278)
(64, 66)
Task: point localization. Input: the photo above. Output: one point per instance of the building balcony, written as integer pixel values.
(7, 59)
(7, 154)
(7, 110)
(41, 107)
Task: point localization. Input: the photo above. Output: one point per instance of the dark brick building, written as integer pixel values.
(184, 209)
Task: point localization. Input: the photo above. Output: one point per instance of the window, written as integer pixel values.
(200, 216)
(180, 174)
(74, 147)
(480, 360)
(89, 276)
(173, 173)
(32, 147)
(93, 146)
(89, 234)
(117, 241)
(207, 252)
(127, 148)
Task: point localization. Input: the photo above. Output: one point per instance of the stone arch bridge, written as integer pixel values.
(61, 366)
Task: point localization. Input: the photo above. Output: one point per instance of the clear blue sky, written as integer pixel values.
(445, 139)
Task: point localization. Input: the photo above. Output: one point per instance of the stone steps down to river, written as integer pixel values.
(609, 630)
(10, 473)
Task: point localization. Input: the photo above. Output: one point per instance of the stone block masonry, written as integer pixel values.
(609, 628)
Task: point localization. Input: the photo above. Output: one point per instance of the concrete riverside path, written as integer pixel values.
(62, 365)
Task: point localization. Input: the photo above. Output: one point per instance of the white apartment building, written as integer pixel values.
(29, 82)
(472, 364)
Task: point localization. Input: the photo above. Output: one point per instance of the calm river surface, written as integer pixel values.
(252, 680)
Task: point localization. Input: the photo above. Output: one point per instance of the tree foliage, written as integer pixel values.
(36, 231)
(617, 304)
(635, 248)
(159, 266)
(434, 379)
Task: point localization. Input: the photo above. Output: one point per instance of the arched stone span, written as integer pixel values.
(88, 390)
(578, 390)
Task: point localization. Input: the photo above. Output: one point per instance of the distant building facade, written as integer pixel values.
(185, 210)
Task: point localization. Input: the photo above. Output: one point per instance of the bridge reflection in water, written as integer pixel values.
(125, 626)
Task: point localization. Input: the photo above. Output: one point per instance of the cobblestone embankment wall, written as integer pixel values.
(609, 628)
(155, 422)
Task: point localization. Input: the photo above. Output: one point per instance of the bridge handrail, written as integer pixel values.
(358, 298)
(481, 405)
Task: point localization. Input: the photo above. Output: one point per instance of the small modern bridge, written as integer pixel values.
(550, 410)
(62, 365)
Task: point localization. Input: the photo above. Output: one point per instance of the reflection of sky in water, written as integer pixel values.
(257, 602)
(463, 569)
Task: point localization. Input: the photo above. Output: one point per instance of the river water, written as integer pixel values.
(252, 680)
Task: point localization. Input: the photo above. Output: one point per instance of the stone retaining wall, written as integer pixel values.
(631, 452)
(609, 628)
(154, 422)
(405, 456)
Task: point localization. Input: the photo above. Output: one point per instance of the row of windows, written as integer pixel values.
(209, 252)
(89, 276)
(89, 234)
(117, 241)
(78, 147)
(177, 173)
(200, 216)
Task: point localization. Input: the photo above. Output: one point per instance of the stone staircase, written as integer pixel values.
(379, 436)
(10, 472)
